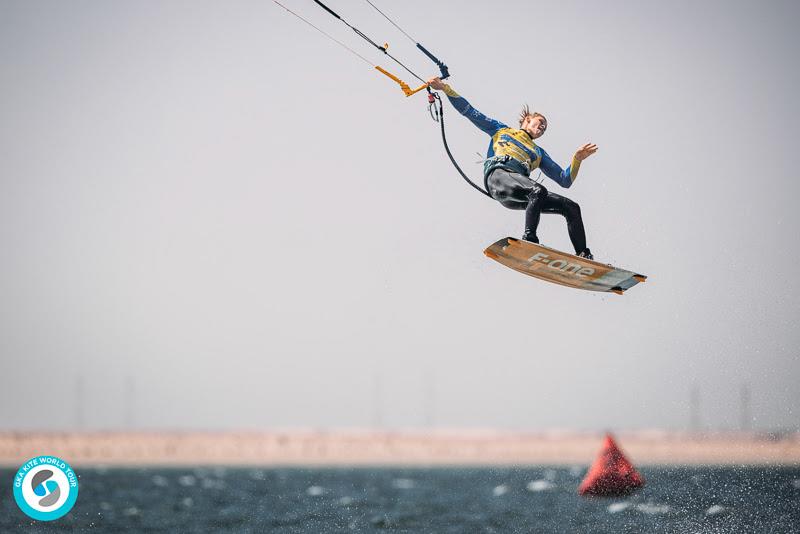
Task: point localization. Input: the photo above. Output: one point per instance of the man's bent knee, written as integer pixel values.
(572, 209)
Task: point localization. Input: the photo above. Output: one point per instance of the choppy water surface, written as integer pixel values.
(534, 499)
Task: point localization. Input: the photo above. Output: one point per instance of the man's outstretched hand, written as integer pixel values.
(437, 84)
(585, 151)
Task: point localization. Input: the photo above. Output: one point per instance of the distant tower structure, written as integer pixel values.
(428, 382)
(377, 401)
(80, 400)
(745, 419)
(130, 403)
(694, 409)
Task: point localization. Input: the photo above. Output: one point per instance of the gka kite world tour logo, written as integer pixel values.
(45, 488)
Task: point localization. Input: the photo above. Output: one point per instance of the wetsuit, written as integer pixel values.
(511, 157)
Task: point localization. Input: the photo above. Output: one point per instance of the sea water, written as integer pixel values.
(437, 500)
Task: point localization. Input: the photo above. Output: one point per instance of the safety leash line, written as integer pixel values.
(435, 102)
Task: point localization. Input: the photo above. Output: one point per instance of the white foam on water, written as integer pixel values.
(187, 502)
(187, 480)
(160, 481)
(616, 507)
(715, 509)
(345, 501)
(257, 474)
(576, 470)
(130, 512)
(540, 485)
(502, 489)
(211, 483)
(219, 471)
(796, 483)
(652, 508)
(315, 491)
(403, 483)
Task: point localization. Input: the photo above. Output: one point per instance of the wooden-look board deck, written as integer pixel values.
(561, 268)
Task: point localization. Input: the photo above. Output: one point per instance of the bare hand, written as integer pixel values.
(585, 151)
(437, 84)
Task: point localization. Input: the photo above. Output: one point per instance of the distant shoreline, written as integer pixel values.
(410, 447)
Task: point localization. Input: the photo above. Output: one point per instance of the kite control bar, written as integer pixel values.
(439, 63)
(434, 101)
(442, 66)
(407, 90)
(403, 85)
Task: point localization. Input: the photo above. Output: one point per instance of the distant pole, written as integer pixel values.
(377, 401)
(428, 382)
(694, 409)
(745, 419)
(130, 403)
(80, 395)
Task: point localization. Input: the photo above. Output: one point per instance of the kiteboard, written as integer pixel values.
(561, 268)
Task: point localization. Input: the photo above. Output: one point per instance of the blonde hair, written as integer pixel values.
(526, 112)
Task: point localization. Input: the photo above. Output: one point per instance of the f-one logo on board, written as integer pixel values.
(45, 488)
(562, 265)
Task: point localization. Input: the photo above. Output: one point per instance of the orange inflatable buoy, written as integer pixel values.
(612, 474)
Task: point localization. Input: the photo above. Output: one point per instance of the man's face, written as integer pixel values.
(535, 126)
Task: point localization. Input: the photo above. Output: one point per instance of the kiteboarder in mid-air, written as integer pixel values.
(512, 156)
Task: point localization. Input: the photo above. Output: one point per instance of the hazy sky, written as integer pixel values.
(220, 219)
